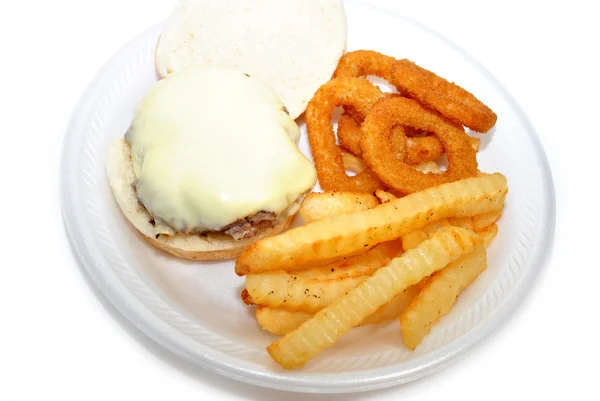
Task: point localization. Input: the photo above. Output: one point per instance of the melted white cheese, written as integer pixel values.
(213, 145)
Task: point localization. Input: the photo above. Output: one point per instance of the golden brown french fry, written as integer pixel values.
(363, 264)
(339, 236)
(318, 205)
(353, 163)
(283, 290)
(392, 309)
(484, 220)
(282, 321)
(464, 222)
(488, 234)
(302, 290)
(384, 196)
(423, 283)
(415, 237)
(329, 324)
(439, 295)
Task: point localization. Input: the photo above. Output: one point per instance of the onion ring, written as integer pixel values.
(414, 150)
(449, 99)
(349, 134)
(358, 93)
(378, 155)
(420, 149)
(361, 63)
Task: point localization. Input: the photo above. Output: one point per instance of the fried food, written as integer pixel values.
(485, 229)
(415, 237)
(353, 163)
(284, 290)
(365, 263)
(246, 298)
(429, 167)
(482, 221)
(339, 236)
(403, 231)
(464, 222)
(362, 63)
(418, 149)
(413, 151)
(318, 205)
(475, 143)
(312, 289)
(488, 234)
(358, 93)
(384, 196)
(282, 321)
(438, 296)
(328, 325)
(378, 155)
(349, 134)
(449, 99)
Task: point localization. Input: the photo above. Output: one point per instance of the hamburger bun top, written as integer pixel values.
(293, 46)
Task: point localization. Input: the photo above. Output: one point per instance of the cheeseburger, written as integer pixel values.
(209, 164)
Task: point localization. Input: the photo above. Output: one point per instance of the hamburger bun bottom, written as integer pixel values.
(209, 246)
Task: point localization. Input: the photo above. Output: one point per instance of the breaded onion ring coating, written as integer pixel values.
(413, 151)
(379, 155)
(449, 99)
(361, 63)
(419, 150)
(362, 96)
(349, 134)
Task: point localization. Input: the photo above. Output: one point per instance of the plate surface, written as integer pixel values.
(194, 309)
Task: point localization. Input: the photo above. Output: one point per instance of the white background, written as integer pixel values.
(60, 339)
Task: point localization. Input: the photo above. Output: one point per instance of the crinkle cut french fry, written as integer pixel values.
(384, 196)
(354, 266)
(319, 205)
(328, 325)
(346, 234)
(281, 321)
(488, 234)
(303, 290)
(415, 237)
(484, 220)
(441, 292)
(464, 222)
(392, 309)
(283, 290)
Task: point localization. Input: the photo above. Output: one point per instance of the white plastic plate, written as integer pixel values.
(194, 309)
